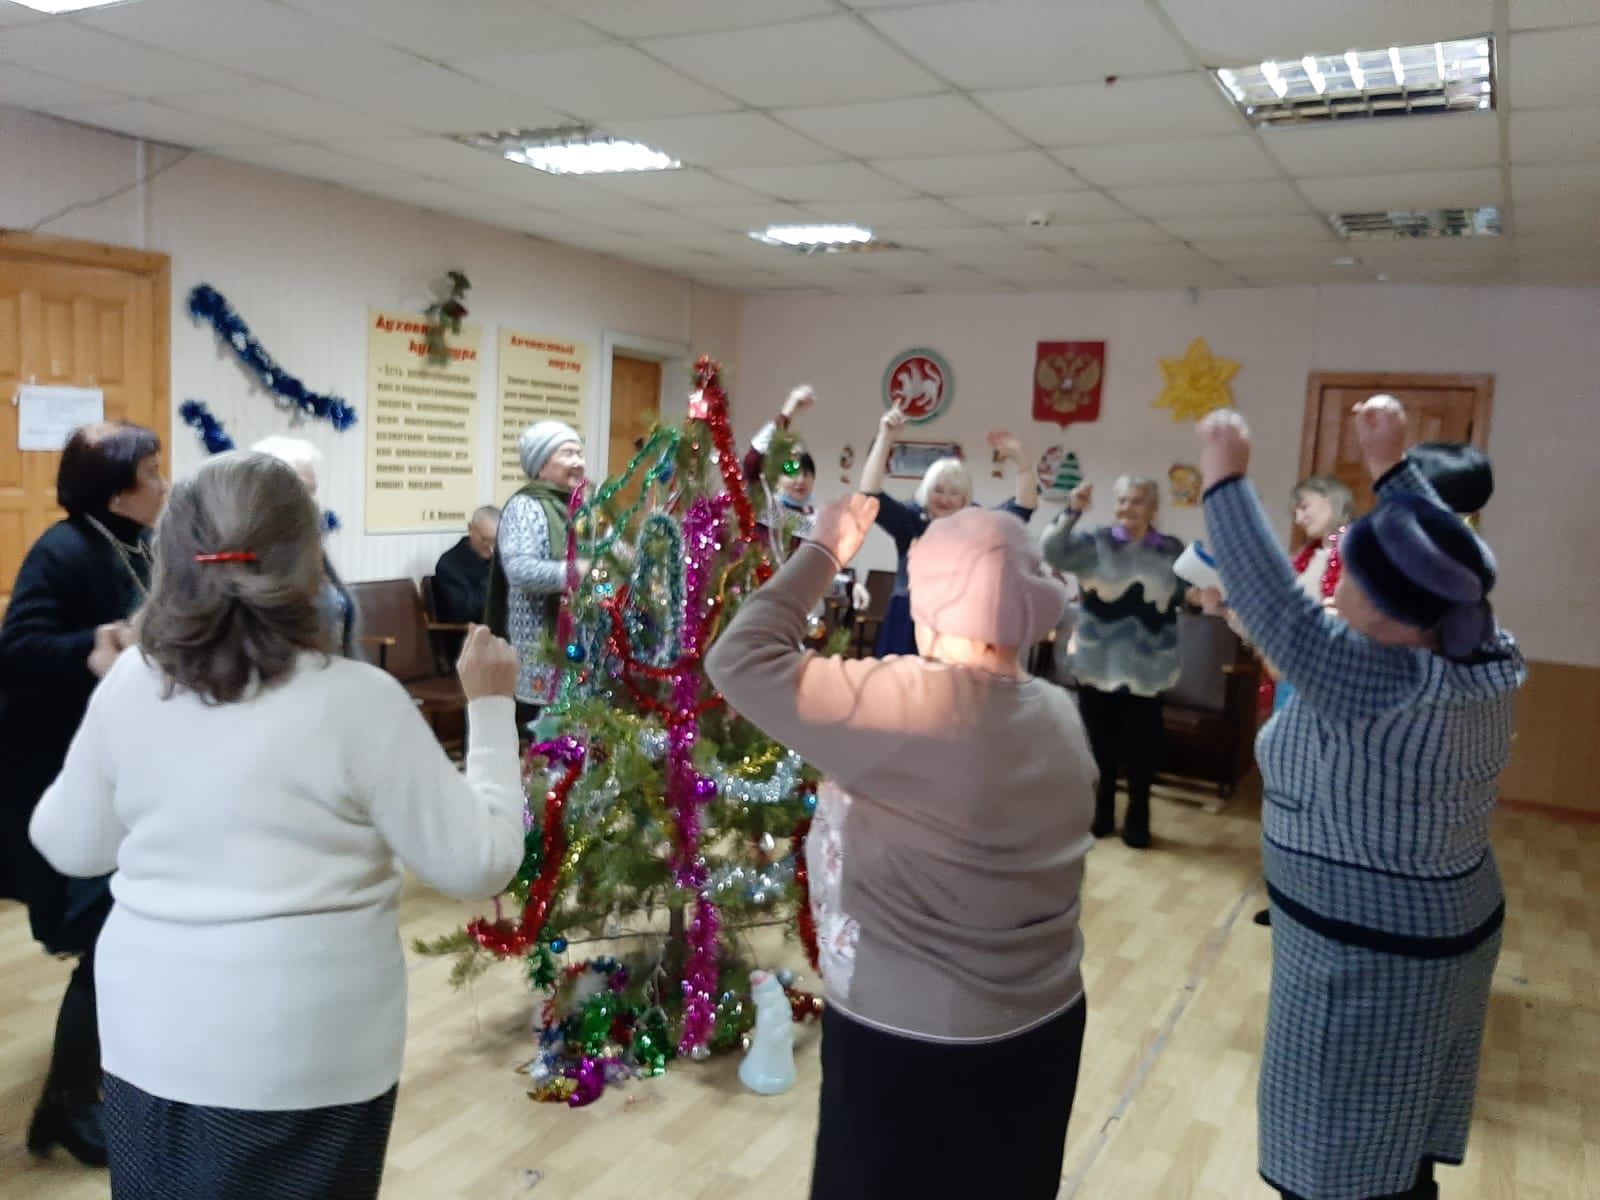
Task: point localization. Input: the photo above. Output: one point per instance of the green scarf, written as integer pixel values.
(495, 610)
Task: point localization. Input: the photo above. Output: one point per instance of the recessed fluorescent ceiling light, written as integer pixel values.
(816, 239)
(1418, 223)
(1396, 81)
(54, 7)
(576, 150)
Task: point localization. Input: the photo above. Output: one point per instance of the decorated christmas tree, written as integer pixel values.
(661, 826)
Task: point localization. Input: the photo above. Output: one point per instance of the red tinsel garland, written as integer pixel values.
(806, 923)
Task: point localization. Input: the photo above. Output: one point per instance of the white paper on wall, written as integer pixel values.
(48, 416)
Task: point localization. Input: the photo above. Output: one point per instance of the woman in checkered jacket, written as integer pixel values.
(1379, 776)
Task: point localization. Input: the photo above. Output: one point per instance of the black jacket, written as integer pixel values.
(461, 584)
(71, 581)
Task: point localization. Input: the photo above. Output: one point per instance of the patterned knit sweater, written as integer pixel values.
(1128, 629)
(1381, 771)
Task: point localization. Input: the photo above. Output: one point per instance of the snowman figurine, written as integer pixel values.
(768, 1066)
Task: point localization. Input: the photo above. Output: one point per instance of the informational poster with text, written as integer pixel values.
(541, 379)
(422, 427)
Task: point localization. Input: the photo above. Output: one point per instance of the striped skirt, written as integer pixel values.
(166, 1150)
(1370, 1065)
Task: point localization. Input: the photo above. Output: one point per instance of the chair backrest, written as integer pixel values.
(392, 608)
(425, 590)
(880, 590)
(1206, 645)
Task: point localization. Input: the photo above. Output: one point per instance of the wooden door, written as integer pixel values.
(1443, 408)
(81, 315)
(635, 410)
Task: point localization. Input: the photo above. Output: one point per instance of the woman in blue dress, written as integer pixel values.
(946, 488)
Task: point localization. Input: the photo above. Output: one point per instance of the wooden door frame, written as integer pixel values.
(47, 248)
(1380, 381)
(669, 354)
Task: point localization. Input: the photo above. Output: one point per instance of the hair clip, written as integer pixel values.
(227, 556)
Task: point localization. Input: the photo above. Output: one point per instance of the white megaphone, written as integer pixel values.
(1197, 568)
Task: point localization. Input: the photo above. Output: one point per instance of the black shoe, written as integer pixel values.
(1264, 917)
(1135, 839)
(1103, 826)
(78, 1132)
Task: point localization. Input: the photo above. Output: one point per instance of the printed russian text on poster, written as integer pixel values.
(541, 379)
(920, 383)
(422, 426)
(1067, 378)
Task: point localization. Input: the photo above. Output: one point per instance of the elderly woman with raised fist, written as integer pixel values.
(1379, 776)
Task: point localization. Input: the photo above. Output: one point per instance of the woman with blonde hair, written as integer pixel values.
(946, 488)
(255, 796)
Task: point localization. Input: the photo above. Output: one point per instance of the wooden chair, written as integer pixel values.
(397, 639)
(880, 590)
(1210, 715)
(445, 637)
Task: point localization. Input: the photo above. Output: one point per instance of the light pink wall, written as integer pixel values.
(302, 262)
(1541, 344)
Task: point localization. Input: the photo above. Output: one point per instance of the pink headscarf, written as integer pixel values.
(977, 575)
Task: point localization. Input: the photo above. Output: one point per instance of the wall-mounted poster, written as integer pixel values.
(911, 460)
(541, 379)
(1059, 473)
(422, 427)
(1067, 379)
(920, 383)
(1187, 485)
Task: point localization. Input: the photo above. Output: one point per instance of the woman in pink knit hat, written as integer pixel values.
(947, 860)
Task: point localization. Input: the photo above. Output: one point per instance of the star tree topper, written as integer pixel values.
(1197, 383)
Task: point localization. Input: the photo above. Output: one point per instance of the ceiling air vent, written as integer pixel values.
(1425, 223)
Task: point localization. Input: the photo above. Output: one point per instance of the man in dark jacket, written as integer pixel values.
(461, 578)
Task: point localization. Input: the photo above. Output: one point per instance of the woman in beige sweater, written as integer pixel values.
(947, 861)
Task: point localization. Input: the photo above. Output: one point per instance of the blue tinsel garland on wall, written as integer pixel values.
(207, 304)
(198, 417)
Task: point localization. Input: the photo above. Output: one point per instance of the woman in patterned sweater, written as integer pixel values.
(1379, 776)
(1127, 641)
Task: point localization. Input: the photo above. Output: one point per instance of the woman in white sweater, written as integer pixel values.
(253, 793)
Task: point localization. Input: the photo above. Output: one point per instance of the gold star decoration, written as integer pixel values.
(1197, 383)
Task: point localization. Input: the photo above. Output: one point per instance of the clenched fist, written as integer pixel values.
(488, 665)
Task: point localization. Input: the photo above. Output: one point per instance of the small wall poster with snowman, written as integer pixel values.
(1059, 473)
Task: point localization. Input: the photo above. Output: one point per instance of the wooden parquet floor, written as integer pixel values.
(1177, 979)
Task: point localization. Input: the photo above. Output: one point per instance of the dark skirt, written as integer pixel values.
(898, 633)
(165, 1150)
(903, 1117)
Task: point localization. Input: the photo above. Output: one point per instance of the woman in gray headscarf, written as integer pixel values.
(529, 569)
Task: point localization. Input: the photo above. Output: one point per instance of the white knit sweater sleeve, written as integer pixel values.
(75, 825)
(462, 834)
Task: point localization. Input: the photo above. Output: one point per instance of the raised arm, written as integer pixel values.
(1009, 449)
(524, 543)
(874, 470)
(1065, 547)
(797, 402)
(1340, 673)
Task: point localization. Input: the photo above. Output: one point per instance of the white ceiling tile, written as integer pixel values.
(251, 37)
(1098, 233)
(1567, 216)
(31, 89)
(893, 216)
(1168, 199)
(294, 114)
(1008, 253)
(743, 218)
(1006, 173)
(1062, 207)
(924, 125)
(459, 29)
(1554, 69)
(679, 188)
(1139, 110)
(1384, 193)
(970, 236)
(741, 139)
(651, 18)
(1382, 147)
(1553, 182)
(436, 156)
(15, 14)
(89, 56)
(600, 83)
(1190, 226)
(157, 123)
(824, 181)
(1555, 135)
(433, 99)
(1324, 248)
(1237, 156)
(1551, 14)
(1386, 252)
(1031, 43)
(1182, 273)
(317, 162)
(835, 60)
(1247, 31)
